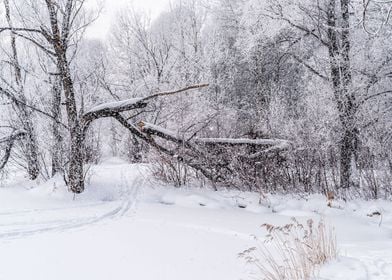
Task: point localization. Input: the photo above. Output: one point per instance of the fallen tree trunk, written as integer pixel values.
(241, 141)
(217, 157)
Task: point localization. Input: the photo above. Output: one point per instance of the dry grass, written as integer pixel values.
(294, 251)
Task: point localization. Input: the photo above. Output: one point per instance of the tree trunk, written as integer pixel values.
(76, 155)
(346, 156)
(57, 149)
(339, 54)
(59, 42)
(75, 171)
(31, 149)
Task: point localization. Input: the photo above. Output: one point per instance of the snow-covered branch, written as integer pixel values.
(110, 109)
(166, 93)
(151, 129)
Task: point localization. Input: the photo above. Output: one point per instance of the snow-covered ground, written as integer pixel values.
(125, 226)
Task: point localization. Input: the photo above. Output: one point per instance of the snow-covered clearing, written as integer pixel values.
(127, 227)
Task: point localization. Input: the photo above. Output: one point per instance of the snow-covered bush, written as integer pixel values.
(171, 171)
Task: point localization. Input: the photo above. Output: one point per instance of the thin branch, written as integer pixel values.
(19, 102)
(166, 93)
(310, 68)
(373, 96)
(20, 29)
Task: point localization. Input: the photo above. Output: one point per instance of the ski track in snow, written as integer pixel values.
(128, 203)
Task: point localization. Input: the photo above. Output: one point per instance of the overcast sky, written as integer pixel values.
(111, 8)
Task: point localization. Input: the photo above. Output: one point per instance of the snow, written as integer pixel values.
(128, 226)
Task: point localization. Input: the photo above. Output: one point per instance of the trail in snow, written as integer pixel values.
(19, 224)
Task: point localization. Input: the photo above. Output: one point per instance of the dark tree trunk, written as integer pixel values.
(59, 41)
(57, 149)
(31, 149)
(75, 169)
(339, 54)
(346, 159)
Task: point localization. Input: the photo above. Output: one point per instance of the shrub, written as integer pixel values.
(293, 251)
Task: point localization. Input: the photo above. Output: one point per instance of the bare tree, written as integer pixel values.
(329, 23)
(16, 94)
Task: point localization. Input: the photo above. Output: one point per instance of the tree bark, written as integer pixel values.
(57, 149)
